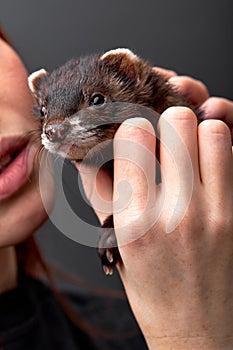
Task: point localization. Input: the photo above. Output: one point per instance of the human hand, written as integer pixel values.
(178, 277)
(179, 283)
(213, 107)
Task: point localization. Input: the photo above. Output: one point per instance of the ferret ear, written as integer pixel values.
(36, 79)
(121, 61)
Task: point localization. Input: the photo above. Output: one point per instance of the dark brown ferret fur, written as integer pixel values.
(81, 104)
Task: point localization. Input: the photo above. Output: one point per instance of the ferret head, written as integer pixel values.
(81, 104)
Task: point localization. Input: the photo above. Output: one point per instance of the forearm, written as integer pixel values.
(177, 257)
(8, 269)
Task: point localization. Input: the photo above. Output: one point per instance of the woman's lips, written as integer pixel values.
(15, 164)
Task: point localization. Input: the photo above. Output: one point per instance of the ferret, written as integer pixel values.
(81, 104)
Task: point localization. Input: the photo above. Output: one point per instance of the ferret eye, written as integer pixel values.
(43, 111)
(97, 100)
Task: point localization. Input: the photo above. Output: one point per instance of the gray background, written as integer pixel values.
(190, 37)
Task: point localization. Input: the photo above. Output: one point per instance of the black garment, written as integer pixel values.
(32, 319)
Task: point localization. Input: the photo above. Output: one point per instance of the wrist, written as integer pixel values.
(190, 343)
(181, 329)
(162, 333)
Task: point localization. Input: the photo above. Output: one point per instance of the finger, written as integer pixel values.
(178, 152)
(219, 108)
(97, 184)
(166, 73)
(194, 89)
(215, 157)
(134, 170)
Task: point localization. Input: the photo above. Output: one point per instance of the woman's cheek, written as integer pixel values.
(23, 213)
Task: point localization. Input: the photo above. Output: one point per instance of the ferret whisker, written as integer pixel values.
(100, 156)
(57, 159)
(34, 139)
(43, 157)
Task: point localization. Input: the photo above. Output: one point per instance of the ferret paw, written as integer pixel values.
(110, 257)
(107, 247)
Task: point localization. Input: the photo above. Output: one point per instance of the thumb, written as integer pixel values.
(97, 184)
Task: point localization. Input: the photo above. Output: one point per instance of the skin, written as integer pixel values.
(180, 285)
(22, 212)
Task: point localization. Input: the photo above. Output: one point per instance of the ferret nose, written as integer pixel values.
(56, 132)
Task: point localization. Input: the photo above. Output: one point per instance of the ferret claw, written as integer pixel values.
(107, 270)
(109, 256)
(107, 247)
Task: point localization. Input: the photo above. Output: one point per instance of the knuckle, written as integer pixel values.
(171, 73)
(220, 223)
(203, 87)
(184, 81)
(166, 73)
(217, 101)
(217, 107)
(195, 89)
